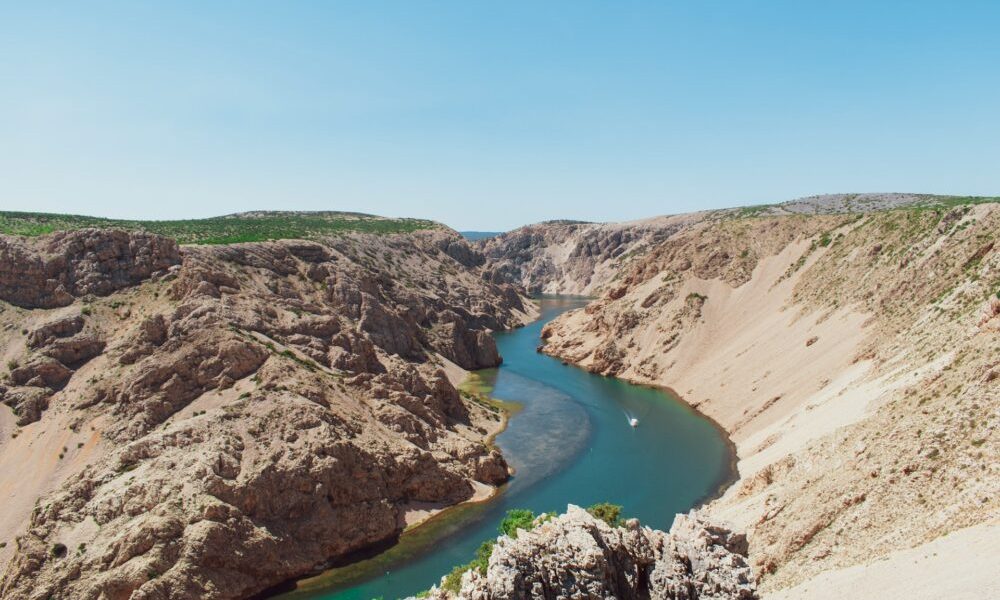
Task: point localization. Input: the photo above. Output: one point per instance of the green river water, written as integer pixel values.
(571, 443)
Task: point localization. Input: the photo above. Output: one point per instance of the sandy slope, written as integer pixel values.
(32, 467)
(961, 565)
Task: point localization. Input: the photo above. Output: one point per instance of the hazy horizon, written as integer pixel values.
(488, 117)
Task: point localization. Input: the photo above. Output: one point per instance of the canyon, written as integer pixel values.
(210, 420)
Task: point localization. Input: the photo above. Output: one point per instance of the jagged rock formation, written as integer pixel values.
(56, 349)
(852, 356)
(229, 417)
(575, 555)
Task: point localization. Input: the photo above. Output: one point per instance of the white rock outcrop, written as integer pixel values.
(576, 555)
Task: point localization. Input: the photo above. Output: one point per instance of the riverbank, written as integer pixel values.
(474, 387)
(418, 521)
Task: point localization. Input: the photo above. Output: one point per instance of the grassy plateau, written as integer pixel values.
(229, 229)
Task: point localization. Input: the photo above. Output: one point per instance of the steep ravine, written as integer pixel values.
(849, 345)
(208, 421)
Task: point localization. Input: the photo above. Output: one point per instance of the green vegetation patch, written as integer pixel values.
(231, 229)
(478, 387)
(854, 204)
(757, 210)
(516, 518)
(930, 201)
(607, 512)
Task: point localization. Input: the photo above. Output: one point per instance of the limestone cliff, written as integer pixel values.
(209, 421)
(565, 257)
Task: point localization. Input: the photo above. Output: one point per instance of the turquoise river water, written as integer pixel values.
(571, 442)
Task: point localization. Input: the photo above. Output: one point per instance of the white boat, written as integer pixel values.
(633, 422)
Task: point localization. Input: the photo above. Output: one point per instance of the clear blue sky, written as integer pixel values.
(488, 115)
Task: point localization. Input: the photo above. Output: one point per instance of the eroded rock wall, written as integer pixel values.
(52, 270)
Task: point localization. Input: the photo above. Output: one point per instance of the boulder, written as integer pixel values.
(57, 328)
(41, 372)
(74, 351)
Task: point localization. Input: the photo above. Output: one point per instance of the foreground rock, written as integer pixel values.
(240, 418)
(576, 555)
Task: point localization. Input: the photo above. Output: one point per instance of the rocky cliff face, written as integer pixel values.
(51, 271)
(575, 555)
(572, 258)
(851, 356)
(229, 417)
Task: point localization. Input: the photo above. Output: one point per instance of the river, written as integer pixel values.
(571, 442)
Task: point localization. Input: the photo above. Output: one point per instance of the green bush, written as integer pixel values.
(517, 518)
(607, 512)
